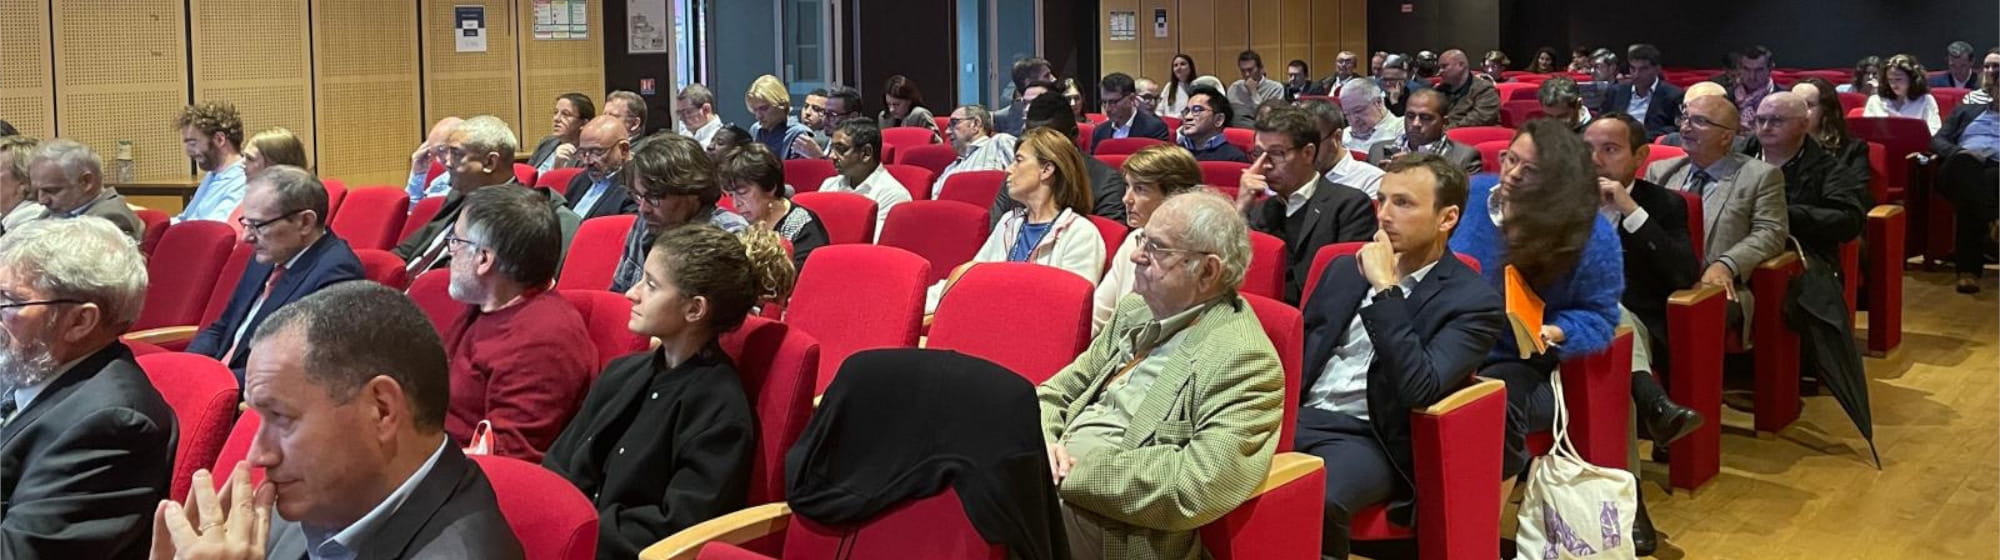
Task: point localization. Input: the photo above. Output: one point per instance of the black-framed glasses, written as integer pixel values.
(1762, 122)
(452, 241)
(10, 306)
(258, 226)
(1154, 250)
(649, 199)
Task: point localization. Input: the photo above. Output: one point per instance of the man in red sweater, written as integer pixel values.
(520, 358)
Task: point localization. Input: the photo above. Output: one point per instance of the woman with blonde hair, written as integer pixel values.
(17, 196)
(273, 146)
(1052, 227)
(770, 103)
(1152, 175)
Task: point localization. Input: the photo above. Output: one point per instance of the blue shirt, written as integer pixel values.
(345, 543)
(217, 196)
(780, 141)
(418, 191)
(1983, 135)
(597, 190)
(1024, 246)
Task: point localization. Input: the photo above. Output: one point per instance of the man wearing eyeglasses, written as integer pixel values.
(479, 155)
(1423, 131)
(1123, 118)
(1369, 121)
(694, 114)
(603, 147)
(1148, 100)
(674, 183)
(1744, 217)
(295, 255)
(86, 440)
(979, 147)
(1304, 209)
(1203, 117)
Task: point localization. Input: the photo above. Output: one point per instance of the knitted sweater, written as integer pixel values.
(1584, 302)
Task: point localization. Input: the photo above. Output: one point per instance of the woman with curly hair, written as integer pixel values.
(1904, 93)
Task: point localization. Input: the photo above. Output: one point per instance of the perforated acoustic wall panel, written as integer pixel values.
(121, 74)
(366, 89)
(27, 92)
(253, 53)
(554, 67)
(472, 83)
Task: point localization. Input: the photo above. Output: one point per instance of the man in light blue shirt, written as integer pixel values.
(432, 150)
(212, 136)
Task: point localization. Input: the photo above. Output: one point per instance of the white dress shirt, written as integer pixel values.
(991, 153)
(1343, 384)
(1642, 99)
(1356, 173)
(1924, 107)
(705, 134)
(1300, 197)
(880, 186)
(1387, 130)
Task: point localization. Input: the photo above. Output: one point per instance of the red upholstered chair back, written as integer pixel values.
(383, 267)
(1223, 175)
(558, 179)
(1489, 154)
(524, 173)
(1266, 276)
(1030, 318)
(1286, 328)
(593, 255)
(977, 188)
(372, 217)
(933, 157)
(1660, 152)
(915, 179)
(1516, 91)
(778, 365)
(1125, 146)
(336, 196)
(431, 292)
(419, 215)
(225, 282)
(1697, 234)
(1096, 118)
(1475, 135)
(1850, 101)
(906, 137)
(943, 123)
(182, 273)
(1085, 132)
(1878, 172)
(856, 297)
(551, 518)
(1113, 232)
(1900, 137)
(203, 395)
(236, 448)
(945, 232)
(1948, 98)
(1243, 138)
(933, 527)
(1174, 124)
(1326, 255)
(156, 223)
(849, 217)
(1116, 161)
(437, 168)
(605, 317)
(805, 175)
(1518, 112)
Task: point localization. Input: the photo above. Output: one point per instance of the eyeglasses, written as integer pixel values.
(1149, 97)
(1702, 122)
(258, 226)
(1155, 252)
(1277, 155)
(1510, 162)
(452, 241)
(10, 306)
(1193, 111)
(592, 154)
(1764, 122)
(649, 199)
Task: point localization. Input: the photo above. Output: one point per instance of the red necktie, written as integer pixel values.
(269, 281)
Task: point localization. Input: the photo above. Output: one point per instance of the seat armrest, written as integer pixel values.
(1779, 262)
(1467, 395)
(164, 335)
(1285, 468)
(738, 527)
(1692, 296)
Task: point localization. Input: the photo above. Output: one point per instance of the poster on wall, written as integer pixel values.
(560, 20)
(1124, 26)
(646, 26)
(471, 28)
(1159, 23)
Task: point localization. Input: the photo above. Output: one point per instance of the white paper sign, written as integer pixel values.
(471, 28)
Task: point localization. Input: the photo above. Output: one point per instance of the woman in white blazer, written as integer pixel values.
(1151, 175)
(1052, 227)
(1904, 93)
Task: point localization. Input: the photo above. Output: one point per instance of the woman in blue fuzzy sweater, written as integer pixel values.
(1541, 216)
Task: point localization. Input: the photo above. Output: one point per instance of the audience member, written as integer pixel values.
(1826, 205)
(1074, 96)
(1305, 209)
(1562, 101)
(674, 184)
(1867, 76)
(1959, 71)
(478, 154)
(771, 104)
(1740, 137)
(1603, 78)
(1542, 220)
(813, 114)
(1152, 175)
(558, 149)
(694, 114)
(353, 388)
(1180, 81)
(1026, 72)
(903, 105)
(68, 181)
(1375, 62)
(520, 358)
(1205, 115)
(1472, 102)
(1147, 96)
(1826, 125)
(1298, 81)
(1545, 61)
(1423, 131)
(1905, 94)
(1369, 122)
(1334, 162)
(630, 109)
(1393, 78)
(1135, 481)
(1579, 60)
(273, 147)
(1397, 327)
(1124, 120)
(857, 153)
(1107, 186)
(1343, 70)
(1052, 224)
(1750, 77)
(600, 189)
(432, 152)
(1494, 65)
(89, 444)
(212, 136)
(17, 192)
(979, 146)
(1425, 66)
(1253, 90)
(1650, 99)
(842, 103)
(836, 106)
(729, 139)
(294, 254)
(755, 181)
(682, 451)
(1968, 144)
(1744, 214)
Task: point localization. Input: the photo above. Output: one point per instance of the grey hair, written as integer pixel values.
(979, 114)
(488, 134)
(1209, 80)
(696, 95)
(73, 157)
(14, 154)
(1360, 92)
(517, 224)
(1559, 90)
(1213, 226)
(295, 189)
(84, 258)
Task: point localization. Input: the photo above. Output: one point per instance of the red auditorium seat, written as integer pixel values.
(1475, 135)
(1489, 154)
(778, 365)
(1085, 133)
(915, 179)
(855, 297)
(430, 291)
(203, 395)
(931, 157)
(183, 272)
(1224, 175)
(156, 223)
(336, 195)
(805, 175)
(1286, 328)
(1850, 101)
(593, 255)
(226, 279)
(1096, 118)
(1283, 517)
(1030, 318)
(421, 214)
(373, 218)
(930, 527)
(1776, 346)
(437, 168)
(1947, 99)
(1116, 161)
(849, 217)
(1659, 152)
(905, 137)
(558, 179)
(1326, 255)
(1515, 114)
(947, 233)
(1456, 449)
(943, 123)
(977, 188)
(606, 316)
(1124, 146)
(1113, 232)
(524, 173)
(1243, 138)
(236, 448)
(383, 267)
(1266, 276)
(1517, 91)
(551, 518)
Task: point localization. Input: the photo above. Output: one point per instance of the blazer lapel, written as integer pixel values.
(60, 388)
(296, 276)
(392, 538)
(1447, 265)
(1322, 192)
(1174, 378)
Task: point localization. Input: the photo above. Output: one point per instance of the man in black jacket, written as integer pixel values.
(1396, 327)
(1124, 120)
(1825, 203)
(1968, 143)
(599, 191)
(1659, 104)
(1305, 210)
(1107, 185)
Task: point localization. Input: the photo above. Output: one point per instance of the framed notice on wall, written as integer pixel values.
(471, 28)
(646, 26)
(557, 20)
(1124, 26)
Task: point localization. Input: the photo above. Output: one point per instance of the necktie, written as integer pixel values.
(1698, 183)
(269, 282)
(7, 405)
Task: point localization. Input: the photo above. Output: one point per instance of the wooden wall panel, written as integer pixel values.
(1326, 38)
(468, 84)
(1294, 36)
(1354, 28)
(1157, 54)
(1196, 20)
(1118, 56)
(27, 83)
(1232, 35)
(1267, 21)
(366, 88)
(129, 86)
(252, 53)
(554, 67)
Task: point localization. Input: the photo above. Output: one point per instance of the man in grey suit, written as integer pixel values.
(1743, 199)
(1423, 131)
(352, 385)
(69, 181)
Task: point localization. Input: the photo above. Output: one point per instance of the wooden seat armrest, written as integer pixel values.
(164, 335)
(1694, 295)
(1285, 468)
(1884, 211)
(1780, 262)
(1468, 395)
(739, 527)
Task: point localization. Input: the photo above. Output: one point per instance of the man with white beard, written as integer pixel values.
(86, 441)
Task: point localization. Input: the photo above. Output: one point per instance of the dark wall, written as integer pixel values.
(742, 50)
(1069, 41)
(1470, 25)
(908, 37)
(1800, 33)
(623, 71)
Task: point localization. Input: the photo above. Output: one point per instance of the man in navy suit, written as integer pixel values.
(284, 221)
(1398, 326)
(1659, 106)
(1124, 119)
(599, 191)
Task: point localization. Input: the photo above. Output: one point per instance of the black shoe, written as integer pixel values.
(1645, 540)
(1968, 283)
(1666, 421)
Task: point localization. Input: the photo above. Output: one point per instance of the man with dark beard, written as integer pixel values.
(86, 440)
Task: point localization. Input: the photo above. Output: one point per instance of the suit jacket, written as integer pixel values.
(1945, 142)
(547, 149)
(110, 206)
(1144, 125)
(1662, 109)
(1427, 343)
(615, 201)
(1107, 190)
(1199, 443)
(1659, 260)
(1743, 213)
(1943, 79)
(1337, 214)
(83, 466)
(419, 240)
(1466, 157)
(326, 262)
(451, 513)
(1476, 103)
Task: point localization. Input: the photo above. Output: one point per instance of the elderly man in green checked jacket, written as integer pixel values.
(1168, 421)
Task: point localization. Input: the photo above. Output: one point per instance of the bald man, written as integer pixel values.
(1697, 90)
(431, 151)
(1471, 102)
(603, 147)
(1744, 218)
(1826, 204)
